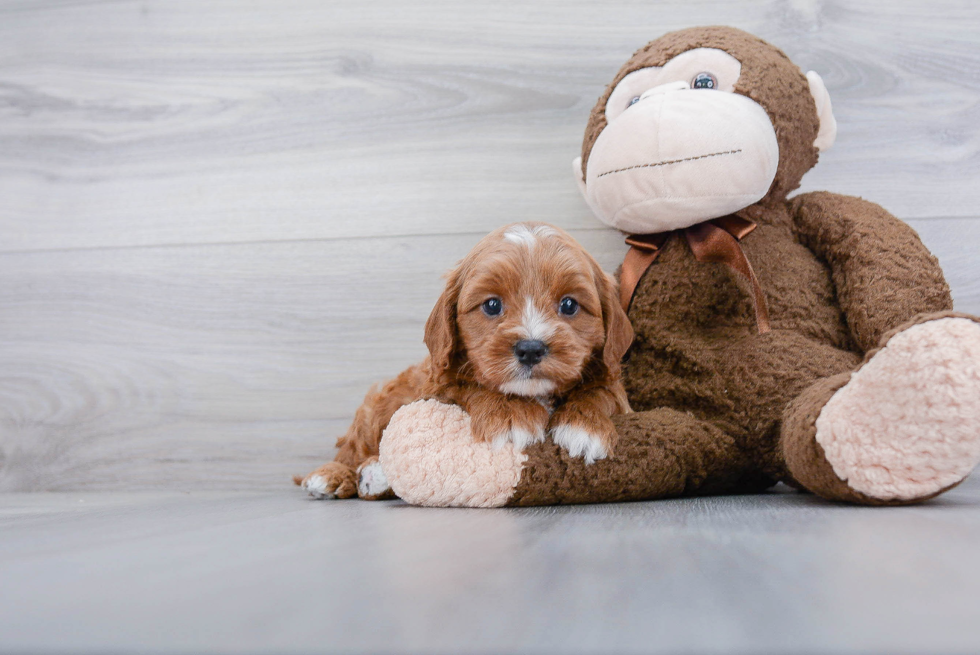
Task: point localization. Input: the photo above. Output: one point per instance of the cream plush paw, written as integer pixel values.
(907, 424)
(429, 457)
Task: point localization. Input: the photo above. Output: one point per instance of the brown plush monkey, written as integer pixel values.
(808, 340)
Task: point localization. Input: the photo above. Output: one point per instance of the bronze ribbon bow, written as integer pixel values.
(712, 241)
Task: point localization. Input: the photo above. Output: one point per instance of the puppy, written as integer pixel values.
(527, 338)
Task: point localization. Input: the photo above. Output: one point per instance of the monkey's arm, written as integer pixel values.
(883, 274)
(430, 458)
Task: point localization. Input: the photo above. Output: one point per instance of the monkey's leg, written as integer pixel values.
(430, 458)
(903, 427)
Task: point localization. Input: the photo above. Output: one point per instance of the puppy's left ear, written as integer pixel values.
(440, 330)
(619, 332)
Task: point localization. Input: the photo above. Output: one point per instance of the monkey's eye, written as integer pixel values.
(492, 306)
(635, 100)
(704, 81)
(568, 306)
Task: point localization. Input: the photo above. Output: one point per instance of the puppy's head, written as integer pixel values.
(528, 312)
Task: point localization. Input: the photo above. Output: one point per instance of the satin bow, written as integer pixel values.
(716, 240)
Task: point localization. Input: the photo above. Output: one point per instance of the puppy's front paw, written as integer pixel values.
(330, 481)
(519, 422)
(371, 481)
(580, 442)
(583, 430)
(520, 437)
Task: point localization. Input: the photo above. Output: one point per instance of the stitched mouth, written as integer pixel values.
(672, 161)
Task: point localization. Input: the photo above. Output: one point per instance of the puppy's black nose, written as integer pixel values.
(529, 352)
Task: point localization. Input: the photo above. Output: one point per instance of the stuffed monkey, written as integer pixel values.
(808, 340)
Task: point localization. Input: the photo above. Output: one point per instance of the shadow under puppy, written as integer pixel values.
(527, 338)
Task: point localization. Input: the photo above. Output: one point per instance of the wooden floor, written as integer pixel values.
(221, 221)
(249, 572)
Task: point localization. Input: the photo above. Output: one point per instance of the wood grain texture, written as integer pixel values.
(140, 123)
(221, 222)
(271, 572)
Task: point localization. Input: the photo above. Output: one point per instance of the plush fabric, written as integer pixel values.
(429, 457)
(735, 147)
(865, 390)
(767, 76)
(905, 425)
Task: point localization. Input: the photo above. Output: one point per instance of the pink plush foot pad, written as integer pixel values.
(907, 424)
(429, 457)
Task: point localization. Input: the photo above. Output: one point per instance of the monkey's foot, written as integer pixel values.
(907, 424)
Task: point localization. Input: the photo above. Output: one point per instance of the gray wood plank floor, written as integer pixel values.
(220, 222)
(246, 572)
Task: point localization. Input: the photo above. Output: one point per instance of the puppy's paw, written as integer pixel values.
(509, 421)
(520, 437)
(580, 442)
(583, 430)
(330, 481)
(371, 481)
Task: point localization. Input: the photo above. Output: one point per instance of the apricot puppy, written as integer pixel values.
(527, 338)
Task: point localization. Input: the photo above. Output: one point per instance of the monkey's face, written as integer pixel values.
(680, 146)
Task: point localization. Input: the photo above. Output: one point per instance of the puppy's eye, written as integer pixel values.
(635, 100)
(492, 306)
(568, 306)
(704, 81)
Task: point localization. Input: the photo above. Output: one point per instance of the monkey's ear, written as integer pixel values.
(579, 176)
(440, 328)
(828, 124)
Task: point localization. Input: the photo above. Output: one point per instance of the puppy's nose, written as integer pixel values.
(530, 352)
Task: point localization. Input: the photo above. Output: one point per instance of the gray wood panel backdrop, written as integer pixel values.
(220, 222)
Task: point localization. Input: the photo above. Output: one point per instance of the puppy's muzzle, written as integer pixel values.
(530, 352)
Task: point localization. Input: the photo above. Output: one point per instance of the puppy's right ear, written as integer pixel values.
(440, 329)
